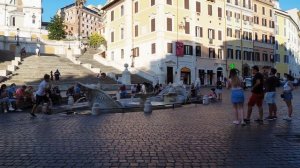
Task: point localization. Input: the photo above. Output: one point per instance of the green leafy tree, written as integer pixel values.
(56, 28)
(96, 40)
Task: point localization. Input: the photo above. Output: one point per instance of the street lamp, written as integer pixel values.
(18, 31)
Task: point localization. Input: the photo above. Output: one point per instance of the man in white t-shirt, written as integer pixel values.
(41, 94)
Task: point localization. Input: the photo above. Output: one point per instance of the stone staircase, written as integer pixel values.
(33, 68)
(87, 58)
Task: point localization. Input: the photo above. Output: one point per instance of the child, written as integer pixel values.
(213, 95)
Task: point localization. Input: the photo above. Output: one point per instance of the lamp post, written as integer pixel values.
(18, 31)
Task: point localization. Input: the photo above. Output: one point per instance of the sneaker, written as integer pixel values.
(259, 121)
(274, 117)
(270, 118)
(5, 111)
(11, 109)
(243, 123)
(247, 121)
(19, 110)
(287, 118)
(236, 122)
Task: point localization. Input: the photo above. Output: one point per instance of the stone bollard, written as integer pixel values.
(70, 102)
(95, 107)
(205, 100)
(148, 106)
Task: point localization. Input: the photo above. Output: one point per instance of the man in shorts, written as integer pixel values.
(41, 94)
(270, 96)
(257, 96)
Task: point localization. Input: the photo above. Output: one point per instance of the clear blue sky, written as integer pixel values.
(51, 6)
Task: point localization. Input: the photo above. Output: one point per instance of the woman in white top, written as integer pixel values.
(237, 96)
(288, 96)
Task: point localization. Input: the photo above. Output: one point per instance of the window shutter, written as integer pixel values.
(186, 4)
(169, 24)
(219, 12)
(198, 7)
(152, 25)
(187, 27)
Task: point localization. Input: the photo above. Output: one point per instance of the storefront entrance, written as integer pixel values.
(202, 76)
(220, 74)
(169, 75)
(185, 75)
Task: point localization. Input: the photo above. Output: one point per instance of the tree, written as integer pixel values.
(96, 40)
(56, 28)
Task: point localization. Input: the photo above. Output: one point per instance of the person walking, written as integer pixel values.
(57, 75)
(219, 89)
(257, 96)
(288, 96)
(51, 76)
(237, 96)
(270, 95)
(41, 94)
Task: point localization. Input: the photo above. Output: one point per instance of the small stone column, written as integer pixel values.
(126, 76)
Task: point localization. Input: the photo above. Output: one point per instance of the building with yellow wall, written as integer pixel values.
(145, 34)
(215, 35)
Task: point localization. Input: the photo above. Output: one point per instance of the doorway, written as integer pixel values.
(185, 75)
(210, 76)
(220, 74)
(170, 75)
(202, 76)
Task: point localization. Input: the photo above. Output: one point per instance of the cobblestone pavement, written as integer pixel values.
(191, 136)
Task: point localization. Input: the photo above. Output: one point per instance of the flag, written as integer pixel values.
(179, 49)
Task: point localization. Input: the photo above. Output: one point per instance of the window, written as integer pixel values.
(122, 10)
(112, 37)
(211, 53)
(237, 34)
(170, 47)
(122, 33)
(277, 57)
(256, 37)
(249, 4)
(136, 7)
(286, 59)
(198, 7)
(238, 55)
(169, 24)
(186, 4)
(220, 53)
(263, 10)
(211, 33)
(271, 14)
(219, 35)
(153, 48)
(112, 15)
(136, 30)
(229, 32)
(14, 21)
(228, 1)
(219, 12)
(122, 53)
(135, 52)
(209, 10)
(198, 31)
(255, 8)
(265, 57)
(152, 2)
(152, 25)
(230, 53)
(188, 50)
(244, 3)
(236, 2)
(169, 2)
(198, 51)
(276, 45)
(187, 27)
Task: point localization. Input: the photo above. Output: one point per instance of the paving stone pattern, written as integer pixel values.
(191, 136)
